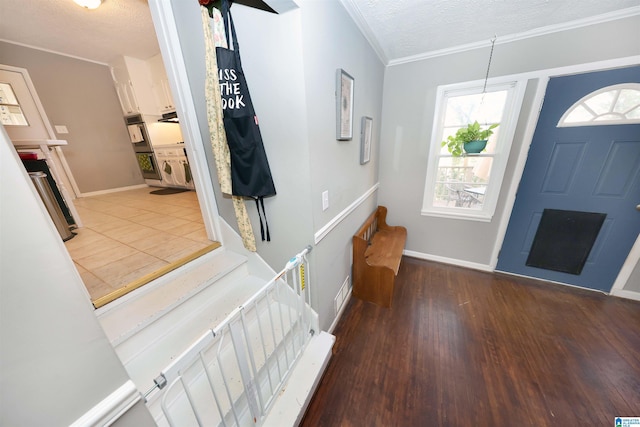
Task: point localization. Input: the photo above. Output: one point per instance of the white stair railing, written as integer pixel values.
(233, 373)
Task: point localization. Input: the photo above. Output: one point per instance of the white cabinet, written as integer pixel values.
(163, 96)
(160, 83)
(132, 79)
(127, 98)
(174, 167)
(166, 169)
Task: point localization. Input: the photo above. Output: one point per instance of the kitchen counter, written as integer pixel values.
(37, 143)
(175, 145)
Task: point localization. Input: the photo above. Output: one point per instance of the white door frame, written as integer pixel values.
(543, 77)
(625, 273)
(167, 33)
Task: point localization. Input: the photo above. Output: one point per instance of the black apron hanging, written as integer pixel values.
(250, 173)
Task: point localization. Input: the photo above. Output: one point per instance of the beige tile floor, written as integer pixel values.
(130, 234)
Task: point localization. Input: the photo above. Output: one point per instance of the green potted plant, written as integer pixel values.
(470, 139)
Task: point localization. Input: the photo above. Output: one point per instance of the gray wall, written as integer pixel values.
(56, 361)
(331, 41)
(290, 62)
(409, 101)
(81, 96)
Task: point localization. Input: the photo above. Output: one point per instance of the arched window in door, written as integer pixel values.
(611, 105)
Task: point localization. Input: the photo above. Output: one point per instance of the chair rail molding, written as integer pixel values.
(111, 407)
(328, 227)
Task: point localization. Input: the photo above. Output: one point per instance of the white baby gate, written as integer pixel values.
(233, 373)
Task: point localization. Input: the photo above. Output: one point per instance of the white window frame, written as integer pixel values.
(504, 141)
(595, 120)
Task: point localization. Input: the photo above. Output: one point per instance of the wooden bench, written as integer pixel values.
(377, 251)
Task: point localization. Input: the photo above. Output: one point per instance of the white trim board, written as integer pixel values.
(328, 227)
(341, 312)
(112, 190)
(621, 293)
(111, 407)
(532, 122)
(53, 51)
(633, 259)
(169, 42)
(446, 260)
(551, 281)
(488, 269)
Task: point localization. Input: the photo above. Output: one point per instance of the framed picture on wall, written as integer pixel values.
(344, 104)
(365, 140)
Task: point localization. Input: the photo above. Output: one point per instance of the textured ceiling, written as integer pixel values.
(406, 28)
(118, 27)
(397, 28)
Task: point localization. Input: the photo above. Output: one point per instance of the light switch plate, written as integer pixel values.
(61, 129)
(325, 200)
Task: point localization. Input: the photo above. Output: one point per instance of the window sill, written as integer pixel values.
(469, 216)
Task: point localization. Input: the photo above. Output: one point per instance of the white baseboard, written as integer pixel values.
(482, 267)
(445, 260)
(292, 403)
(626, 294)
(339, 315)
(112, 190)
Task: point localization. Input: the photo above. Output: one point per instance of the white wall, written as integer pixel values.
(409, 100)
(290, 62)
(56, 362)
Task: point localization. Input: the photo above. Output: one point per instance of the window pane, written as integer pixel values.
(460, 109)
(466, 187)
(10, 112)
(634, 114)
(601, 103)
(461, 181)
(12, 116)
(487, 108)
(578, 115)
(6, 94)
(628, 99)
(489, 149)
(609, 117)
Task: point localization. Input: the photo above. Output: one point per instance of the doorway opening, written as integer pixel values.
(584, 158)
(130, 237)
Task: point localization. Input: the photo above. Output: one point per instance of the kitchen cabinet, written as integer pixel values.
(174, 167)
(132, 79)
(127, 98)
(160, 83)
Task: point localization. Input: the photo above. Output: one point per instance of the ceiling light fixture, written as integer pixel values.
(89, 4)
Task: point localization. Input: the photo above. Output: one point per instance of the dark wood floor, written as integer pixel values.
(466, 348)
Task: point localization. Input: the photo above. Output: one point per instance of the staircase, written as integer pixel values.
(231, 346)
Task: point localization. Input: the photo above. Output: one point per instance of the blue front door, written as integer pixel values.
(585, 169)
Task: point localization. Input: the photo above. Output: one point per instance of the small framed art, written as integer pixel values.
(365, 139)
(344, 106)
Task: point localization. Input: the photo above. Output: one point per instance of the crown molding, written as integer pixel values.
(550, 29)
(361, 23)
(53, 51)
